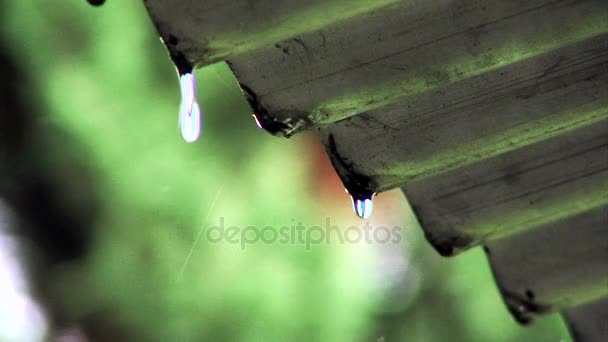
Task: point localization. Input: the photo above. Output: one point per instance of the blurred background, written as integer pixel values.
(104, 208)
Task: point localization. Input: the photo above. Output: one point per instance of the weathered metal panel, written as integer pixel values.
(554, 267)
(534, 186)
(589, 322)
(399, 52)
(213, 30)
(477, 118)
(305, 71)
(491, 115)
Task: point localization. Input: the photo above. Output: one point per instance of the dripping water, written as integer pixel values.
(189, 111)
(363, 205)
(96, 2)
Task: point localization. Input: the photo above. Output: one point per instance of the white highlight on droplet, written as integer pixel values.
(189, 111)
(363, 207)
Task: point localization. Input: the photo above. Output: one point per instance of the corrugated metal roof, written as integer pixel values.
(492, 116)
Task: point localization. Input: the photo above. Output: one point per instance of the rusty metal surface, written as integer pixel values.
(492, 116)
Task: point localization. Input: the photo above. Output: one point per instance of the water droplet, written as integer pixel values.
(363, 206)
(257, 120)
(96, 2)
(189, 111)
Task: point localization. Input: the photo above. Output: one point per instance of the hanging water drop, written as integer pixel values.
(96, 2)
(363, 206)
(189, 111)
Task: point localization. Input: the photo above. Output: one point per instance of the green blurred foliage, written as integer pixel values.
(103, 77)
